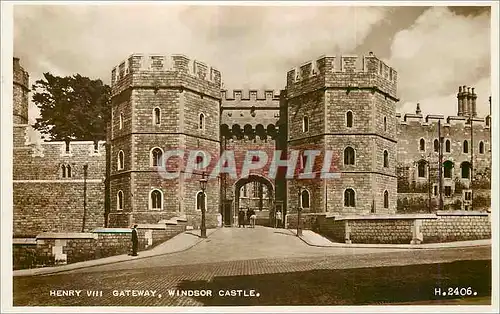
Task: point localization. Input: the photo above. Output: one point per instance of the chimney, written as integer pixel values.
(460, 102)
(16, 62)
(469, 103)
(473, 97)
(418, 111)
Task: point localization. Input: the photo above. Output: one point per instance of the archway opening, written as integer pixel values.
(255, 194)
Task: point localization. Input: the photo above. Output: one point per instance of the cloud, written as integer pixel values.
(251, 45)
(438, 53)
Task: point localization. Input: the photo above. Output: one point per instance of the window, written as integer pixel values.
(435, 190)
(303, 161)
(436, 146)
(385, 124)
(468, 195)
(422, 144)
(201, 125)
(201, 201)
(421, 169)
(156, 157)
(465, 170)
(304, 199)
(66, 171)
(448, 146)
(448, 168)
(349, 198)
(386, 159)
(481, 147)
(349, 156)
(386, 199)
(348, 118)
(156, 200)
(121, 157)
(447, 191)
(200, 157)
(488, 121)
(121, 121)
(157, 116)
(119, 200)
(244, 190)
(466, 147)
(305, 124)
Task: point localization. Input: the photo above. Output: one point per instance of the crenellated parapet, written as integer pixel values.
(264, 96)
(344, 72)
(449, 121)
(76, 149)
(157, 71)
(21, 77)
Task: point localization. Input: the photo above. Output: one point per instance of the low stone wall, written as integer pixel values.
(404, 229)
(456, 227)
(49, 249)
(309, 221)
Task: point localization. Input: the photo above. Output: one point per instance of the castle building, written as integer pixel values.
(343, 107)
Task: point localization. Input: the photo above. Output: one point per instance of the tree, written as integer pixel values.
(72, 107)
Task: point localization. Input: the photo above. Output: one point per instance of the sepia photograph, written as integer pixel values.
(249, 156)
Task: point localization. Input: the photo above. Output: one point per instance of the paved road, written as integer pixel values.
(273, 263)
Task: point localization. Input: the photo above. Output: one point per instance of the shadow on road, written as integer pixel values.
(360, 286)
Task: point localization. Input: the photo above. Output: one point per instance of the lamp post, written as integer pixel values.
(299, 216)
(203, 186)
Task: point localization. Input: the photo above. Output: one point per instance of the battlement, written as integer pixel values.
(21, 77)
(325, 65)
(418, 118)
(70, 149)
(251, 94)
(170, 63)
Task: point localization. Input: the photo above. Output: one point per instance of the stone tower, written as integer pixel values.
(346, 108)
(161, 104)
(20, 103)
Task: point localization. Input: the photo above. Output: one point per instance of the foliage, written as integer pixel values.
(407, 205)
(72, 107)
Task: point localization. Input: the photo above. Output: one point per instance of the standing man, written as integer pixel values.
(135, 241)
(278, 219)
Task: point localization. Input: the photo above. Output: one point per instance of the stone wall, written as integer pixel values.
(443, 226)
(49, 249)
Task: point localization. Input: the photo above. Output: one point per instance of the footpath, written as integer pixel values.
(313, 239)
(179, 243)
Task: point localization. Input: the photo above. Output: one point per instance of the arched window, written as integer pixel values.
(156, 157)
(448, 169)
(304, 199)
(157, 116)
(119, 200)
(201, 198)
(349, 198)
(488, 121)
(201, 125)
(422, 165)
(466, 147)
(199, 160)
(448, 146)
(121, 121)
(66, 171)
(121, 157)
(348, 118)
(481, 147)
(305, 124)
(386, 199)
(422, 144)
(385, 124)
(386, 159)
(349, 156)
(436, 145)
(465, 166)
(156, 200)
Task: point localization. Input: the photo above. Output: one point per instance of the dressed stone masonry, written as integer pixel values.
(386, 161)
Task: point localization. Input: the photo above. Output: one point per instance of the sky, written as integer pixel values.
(433, 49)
